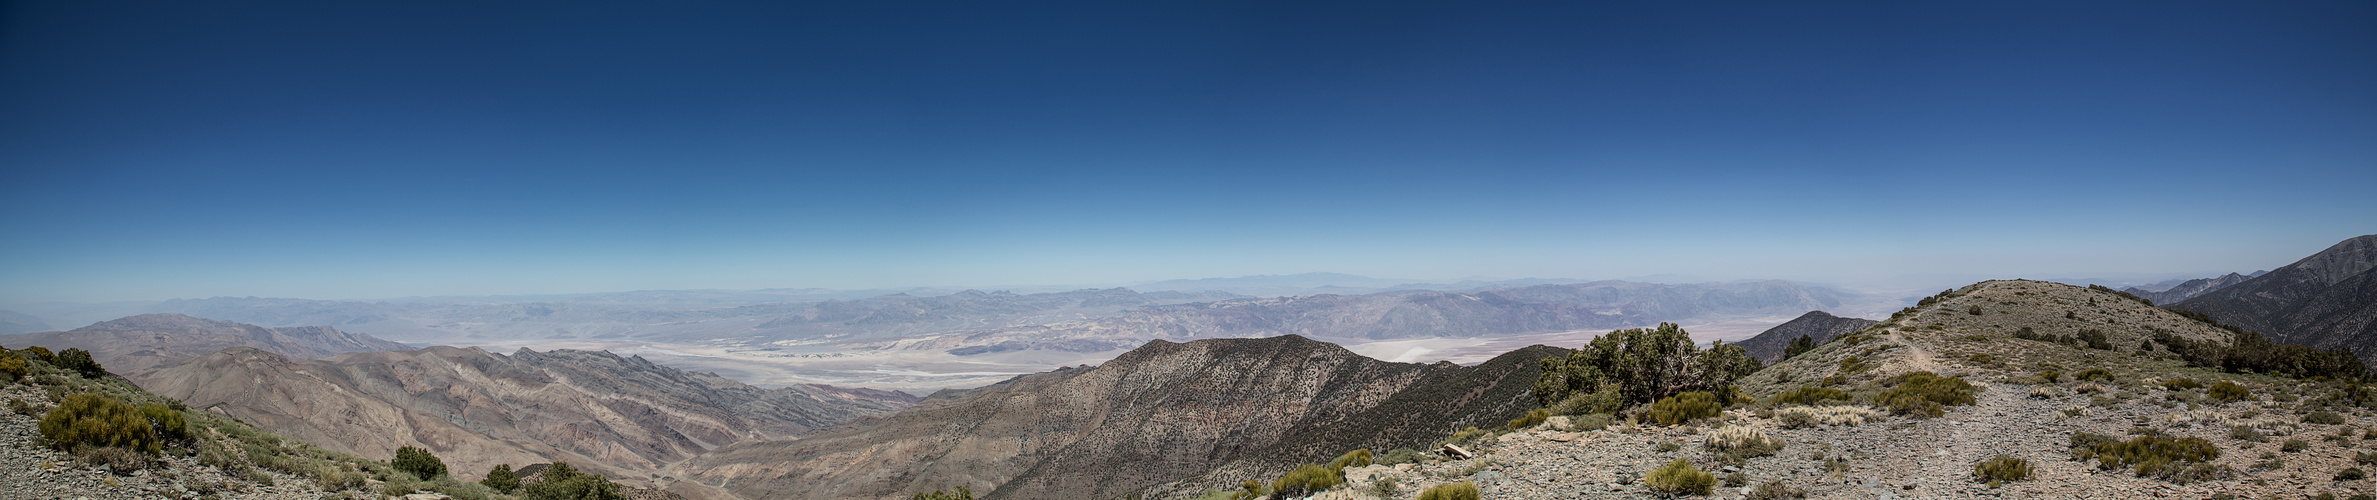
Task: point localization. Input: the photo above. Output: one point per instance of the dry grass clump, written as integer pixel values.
(1452, 491)
(1803, 416)
(1680, 478)
(2043, 392)
(2197, 418)
(2003, 468)
(1734, 444)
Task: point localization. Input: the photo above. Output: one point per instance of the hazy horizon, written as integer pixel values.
(339, 151)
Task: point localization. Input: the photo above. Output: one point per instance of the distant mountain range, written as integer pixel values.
(137, 344)
(1160, 413)
(2326, 300)
(17, 322)
(1818, 326)
(2181, 291)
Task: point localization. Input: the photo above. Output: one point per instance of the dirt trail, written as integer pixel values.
(1918, 358)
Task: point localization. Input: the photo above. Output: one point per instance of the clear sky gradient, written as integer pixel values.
(376, 149)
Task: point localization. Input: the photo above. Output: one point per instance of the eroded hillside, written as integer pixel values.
(1163, 412)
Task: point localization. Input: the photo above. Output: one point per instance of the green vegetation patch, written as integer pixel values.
(1451, 491)
(1924, 393)
(1685, 407)
(1810, 396)
(2153, 455)
(2229, 392)
(1643, 365)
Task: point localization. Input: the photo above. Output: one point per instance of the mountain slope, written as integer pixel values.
(1820, 326)
(2191, 288)
(2326, 300)
(1162, 412)
(137, 344)
(624, 416)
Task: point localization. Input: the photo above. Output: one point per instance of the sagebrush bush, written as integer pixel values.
(1809, 395)
(1356, 458)
(1305, 480)
(2181, 383)
(1451, 491)
(1776, 490)
(92, 419)
(1924, 393)
(1685, 407)
(1531, 419)
(2246, 433)
(2154, 455)
(2294, 445)
(1680, 478)
(2351, 474)
(2324, 417)
(2228, 392)
(2003, 468)
(12, 366)
(2093, 374)
(1854, 365)
(1593, 422)
(1400, 456)
(2051, 376)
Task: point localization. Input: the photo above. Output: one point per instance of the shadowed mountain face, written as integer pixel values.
(2192, 288)
(134, 345)
(625, 417)
(1162, 412)
(2326, 300)
(1769, 345)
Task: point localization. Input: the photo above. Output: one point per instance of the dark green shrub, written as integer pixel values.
(1680, 478)
(501, 479)
(39, 353)
(1974, 310)
(79, 361)
(1305, 480)
(1799, 346)
(2095, 339)
(2182, 383)
(1605, 400)
(1685, 407)
(2051, 376)
(2229, 392)
(2154, 455)
(1644, 365)
(91, 419)
(2003, 468)
(169, 424)
(418, 462)
(2094, 374)
(2246, 433)
(1810, 396)
(2324, 417)
(1451, 491)
(2351, 473)
(563, 482)
(2293, 445)
(1981, 359)
(1532, 418)
(1924, 393)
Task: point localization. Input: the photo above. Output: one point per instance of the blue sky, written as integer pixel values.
(378, 149)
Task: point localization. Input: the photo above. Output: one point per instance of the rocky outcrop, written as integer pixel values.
(137, 344)
(1163, 412)
(623, 417)
(1819, 326)
(2326, 300)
